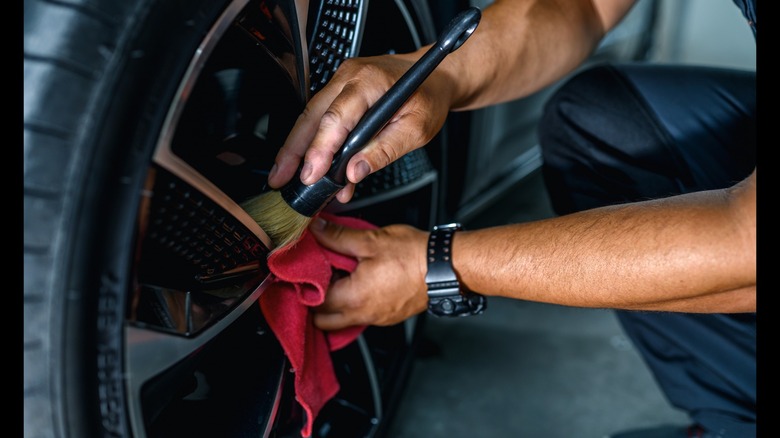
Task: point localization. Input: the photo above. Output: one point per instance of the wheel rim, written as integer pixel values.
(186, 341)
(195, 339)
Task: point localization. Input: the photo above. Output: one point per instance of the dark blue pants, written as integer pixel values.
(620, 133)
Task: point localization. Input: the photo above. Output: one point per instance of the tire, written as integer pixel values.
(95, 88)
(118, 116)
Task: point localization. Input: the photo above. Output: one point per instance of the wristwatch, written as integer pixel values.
(446, 296)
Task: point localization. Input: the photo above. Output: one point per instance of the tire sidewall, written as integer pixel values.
(93, 259)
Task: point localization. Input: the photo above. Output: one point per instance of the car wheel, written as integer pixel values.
(146, 124)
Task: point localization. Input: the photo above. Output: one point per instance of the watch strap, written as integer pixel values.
(441, 277)
(446, 297)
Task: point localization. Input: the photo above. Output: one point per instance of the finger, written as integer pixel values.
(341, 239)
(335, 310)
(294, 148)
(400, 136)
(337, 297)
(284, 168)
(345, 194)
(331, 321)
(336, 123)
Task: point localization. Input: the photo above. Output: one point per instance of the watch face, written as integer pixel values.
(453, 226)
(463, 304)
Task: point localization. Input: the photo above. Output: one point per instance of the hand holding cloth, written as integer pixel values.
(301, 274)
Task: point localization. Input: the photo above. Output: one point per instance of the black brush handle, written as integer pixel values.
(308, 200)
(456, 33)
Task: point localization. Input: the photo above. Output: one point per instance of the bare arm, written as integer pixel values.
(693, 253)
(519, 47)
(522, 46)
(687, 253)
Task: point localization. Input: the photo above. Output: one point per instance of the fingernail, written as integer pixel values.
(306, 173)
(318, 224)
(361, 171)
(272, 172)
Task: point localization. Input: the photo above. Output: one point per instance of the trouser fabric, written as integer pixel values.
(613, 134)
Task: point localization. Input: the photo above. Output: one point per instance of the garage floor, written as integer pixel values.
(526, 369)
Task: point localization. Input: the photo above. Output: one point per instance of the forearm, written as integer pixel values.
(686, 253)
(523, 46)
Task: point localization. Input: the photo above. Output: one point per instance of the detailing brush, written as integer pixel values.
(285, 213)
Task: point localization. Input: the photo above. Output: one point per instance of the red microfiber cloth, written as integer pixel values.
(301, 275)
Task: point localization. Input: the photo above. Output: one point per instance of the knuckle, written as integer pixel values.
(332, 117)
(382, 153)
(306, 113)
(352, 302)
(333, 123)
(421, 127)
(356, 69)
(335, 231)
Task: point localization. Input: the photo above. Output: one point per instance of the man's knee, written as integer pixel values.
(602, 145)
(582, 112)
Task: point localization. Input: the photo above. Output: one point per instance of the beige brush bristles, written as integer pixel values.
(281, 222)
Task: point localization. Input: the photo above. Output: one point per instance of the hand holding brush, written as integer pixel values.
(285, 213)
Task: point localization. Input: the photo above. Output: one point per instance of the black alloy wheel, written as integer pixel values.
(146, 124)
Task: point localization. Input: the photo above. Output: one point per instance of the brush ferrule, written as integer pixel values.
(309, 200)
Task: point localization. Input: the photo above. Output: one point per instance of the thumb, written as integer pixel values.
(339, 238)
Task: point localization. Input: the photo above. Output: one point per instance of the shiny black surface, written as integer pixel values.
(203, 360)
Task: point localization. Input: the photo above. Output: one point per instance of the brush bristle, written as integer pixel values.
(282, 224)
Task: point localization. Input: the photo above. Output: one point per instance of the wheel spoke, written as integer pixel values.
(149, 353)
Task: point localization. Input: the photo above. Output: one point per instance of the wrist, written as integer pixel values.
(446, 295)
(421, 288)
